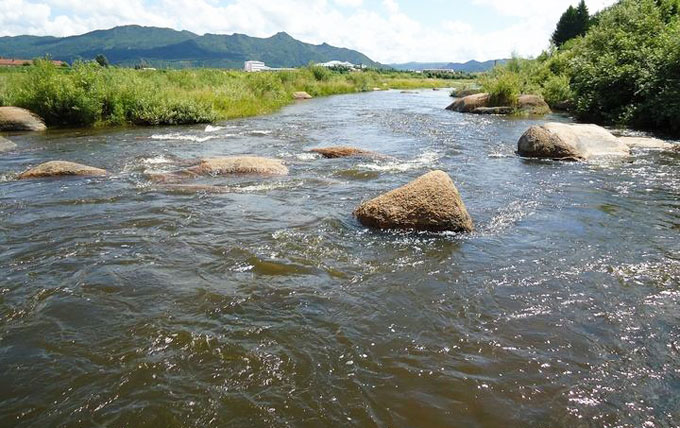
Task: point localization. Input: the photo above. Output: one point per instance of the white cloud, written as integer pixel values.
(385, 33)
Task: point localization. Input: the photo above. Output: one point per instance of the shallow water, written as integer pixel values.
(124, 303)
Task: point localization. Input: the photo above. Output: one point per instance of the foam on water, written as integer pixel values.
(176, 136)
(425, 160)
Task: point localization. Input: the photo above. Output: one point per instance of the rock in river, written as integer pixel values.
(302, 96)
(6, 145)
(344, 152)
(61, 168)
(481, 104)
(239, 165)
(429, 203)
(19, 119)
(563, 141)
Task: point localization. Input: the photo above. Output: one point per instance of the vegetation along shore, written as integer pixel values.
(620, 67)
(88, 94)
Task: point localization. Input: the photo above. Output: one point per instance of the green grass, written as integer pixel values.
(90, 95)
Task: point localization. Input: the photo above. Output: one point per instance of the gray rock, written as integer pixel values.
(562, 141)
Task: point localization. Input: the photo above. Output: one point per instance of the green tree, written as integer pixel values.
(573, 23)
(102, 60)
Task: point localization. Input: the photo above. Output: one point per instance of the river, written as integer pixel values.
(123, 303)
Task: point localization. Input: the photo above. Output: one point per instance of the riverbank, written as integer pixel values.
(88, 95)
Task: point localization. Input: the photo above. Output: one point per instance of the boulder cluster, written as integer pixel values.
(533, 105)
(429, 203)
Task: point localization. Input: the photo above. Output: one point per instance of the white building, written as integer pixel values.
(255, 66)
(336, 63)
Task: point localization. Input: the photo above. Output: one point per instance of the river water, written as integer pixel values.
(127, 304)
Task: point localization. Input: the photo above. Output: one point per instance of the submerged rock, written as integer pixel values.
(240, 165)
(481, 104)
(562, 141)
(19, 119)
(646, 143)
(61, 168)
(344, 152)
(493, 110)
(6, 145)
(302, 95)
(429, 203)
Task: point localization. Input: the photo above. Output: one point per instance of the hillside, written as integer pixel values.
(163, 47)
(468, 67)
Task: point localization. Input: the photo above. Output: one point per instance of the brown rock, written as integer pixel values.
(563, 141)
(19, 119)
(238, 165)
(481, 104)
(61, 168)
(344, 152)
(470, 103)
(533, 105)
(430, 203)
(302, 96)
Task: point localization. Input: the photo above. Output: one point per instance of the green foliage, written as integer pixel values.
(102, 60)
(573, 23)
(624, 71)
(90, 95)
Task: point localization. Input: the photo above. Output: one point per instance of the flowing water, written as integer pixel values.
(262, 302)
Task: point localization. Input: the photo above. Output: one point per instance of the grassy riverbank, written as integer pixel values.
(90, 95)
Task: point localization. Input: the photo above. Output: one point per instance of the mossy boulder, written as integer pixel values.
(19, 119)
(429, 203)
(61, 169)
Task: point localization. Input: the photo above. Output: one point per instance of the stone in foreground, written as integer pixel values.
(239, 165)
(571, 142)
(344, 152)
(6, 145)
(19, 119)
(61, 169)
(429, 203)
(302, 96)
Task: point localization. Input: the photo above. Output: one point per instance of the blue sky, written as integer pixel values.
(386, 30)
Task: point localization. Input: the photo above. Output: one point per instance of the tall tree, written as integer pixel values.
(573, 23)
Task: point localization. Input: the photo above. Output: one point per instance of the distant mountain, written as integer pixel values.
(163, 47)
(468, 67)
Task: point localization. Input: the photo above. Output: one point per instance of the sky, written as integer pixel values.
(388, 31)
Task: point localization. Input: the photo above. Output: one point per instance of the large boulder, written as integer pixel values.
(19, 119)
(430, 203)
(239, 165)
(61, 168)
(301, 95)
(481, 104)
(344, 152)
(6, 145)
(563, 141)
(469, 103)
(533, 105)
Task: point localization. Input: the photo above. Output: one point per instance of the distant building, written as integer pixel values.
(4, 62)
(255, 66)
(342, 64)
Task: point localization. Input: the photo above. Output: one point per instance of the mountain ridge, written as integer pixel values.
(472, 66)
(165, 47)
